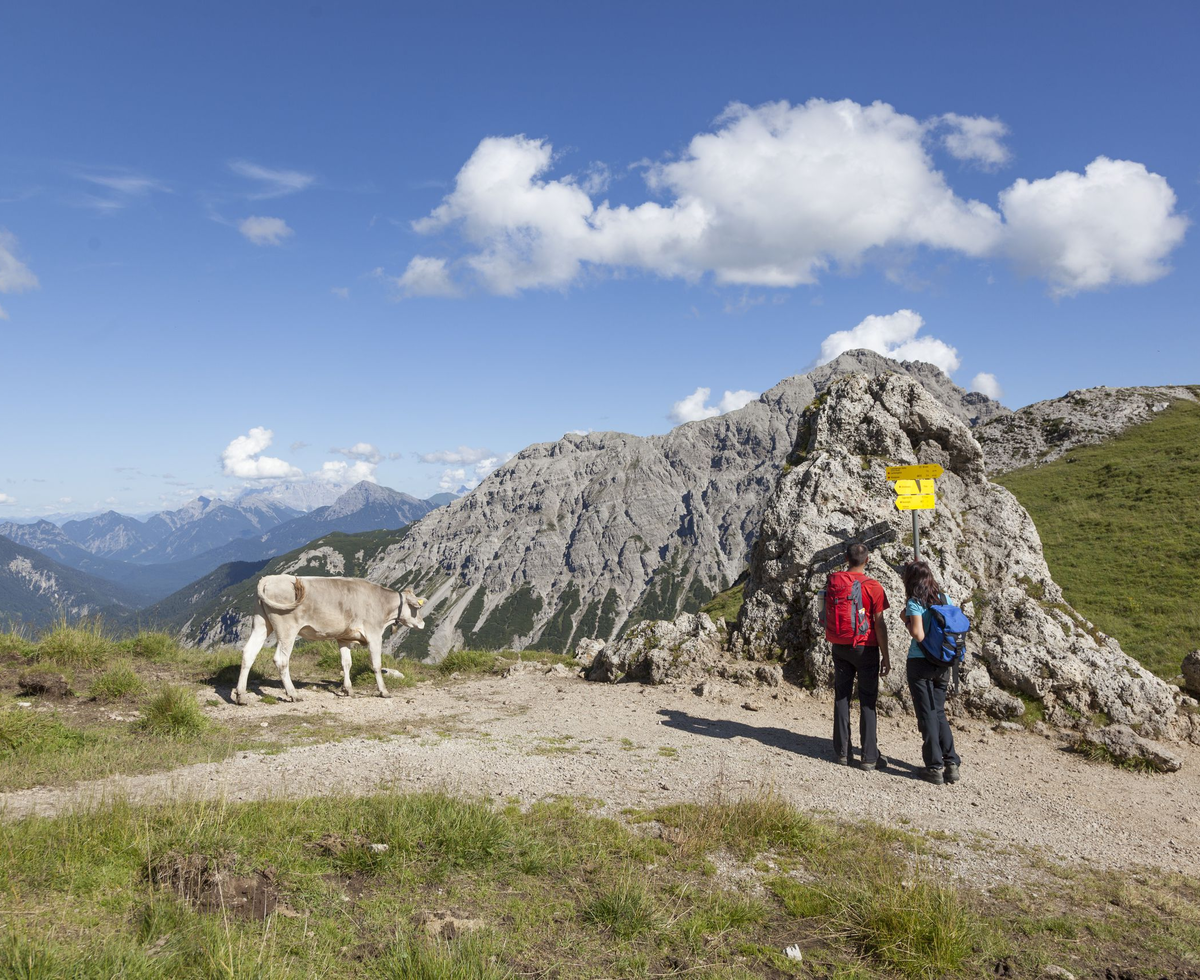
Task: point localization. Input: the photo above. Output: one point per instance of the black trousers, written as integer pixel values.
(927, 683)
(850, 662)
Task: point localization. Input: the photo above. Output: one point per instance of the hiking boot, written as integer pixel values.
(934, 776)
(878, 766)
(951, 772)
(841, 760)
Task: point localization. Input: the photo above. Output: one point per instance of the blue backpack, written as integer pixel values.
(945, 642)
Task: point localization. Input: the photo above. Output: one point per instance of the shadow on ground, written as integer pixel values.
(775, 738)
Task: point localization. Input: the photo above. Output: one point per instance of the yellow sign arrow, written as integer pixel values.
(910, 486)
(915, 501)
(930, 471)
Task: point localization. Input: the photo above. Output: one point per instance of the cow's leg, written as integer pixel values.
(283, 659)
(258, 636)
(346, 660)
(375, 645)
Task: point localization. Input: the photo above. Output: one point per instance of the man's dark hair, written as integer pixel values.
(857, 554)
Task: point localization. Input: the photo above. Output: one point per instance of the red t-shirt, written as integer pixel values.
(874, 601)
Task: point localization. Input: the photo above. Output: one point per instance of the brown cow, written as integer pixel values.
(346, 610)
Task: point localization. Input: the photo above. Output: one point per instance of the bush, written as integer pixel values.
(119, 681)
(80, 645)
(173, 713)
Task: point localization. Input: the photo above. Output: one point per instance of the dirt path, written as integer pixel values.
(533, 736)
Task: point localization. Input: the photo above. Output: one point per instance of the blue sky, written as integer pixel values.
(207, 222)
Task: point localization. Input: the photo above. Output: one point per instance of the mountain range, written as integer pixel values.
(147, 560)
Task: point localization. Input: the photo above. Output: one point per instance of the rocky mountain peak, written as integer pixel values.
(982, 545)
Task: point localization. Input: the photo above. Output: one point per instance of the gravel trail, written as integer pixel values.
(534, 735)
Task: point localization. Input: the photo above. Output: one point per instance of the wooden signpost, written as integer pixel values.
(915, 492)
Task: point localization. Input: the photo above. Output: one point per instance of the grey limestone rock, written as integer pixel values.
(1026, 640)
(1124, 745)
(660, 651)
(588, 535)
(1047, 430)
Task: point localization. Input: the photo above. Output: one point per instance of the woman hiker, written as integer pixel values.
(927, 681)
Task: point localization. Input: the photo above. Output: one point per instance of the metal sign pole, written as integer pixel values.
(916, 536)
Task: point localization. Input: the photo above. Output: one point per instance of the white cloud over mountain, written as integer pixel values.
(895, 336)
(465, 466)
(694, 407)
(243, 458)
(986, 384)
(778, 194)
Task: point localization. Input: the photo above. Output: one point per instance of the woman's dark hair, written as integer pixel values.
(920, 584)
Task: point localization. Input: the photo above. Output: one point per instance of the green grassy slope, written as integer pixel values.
(1120, 523)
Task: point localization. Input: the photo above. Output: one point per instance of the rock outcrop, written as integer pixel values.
(1045, 431)
(1027, 643)
(586, 536)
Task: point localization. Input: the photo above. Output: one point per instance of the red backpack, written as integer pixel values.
(842, 613)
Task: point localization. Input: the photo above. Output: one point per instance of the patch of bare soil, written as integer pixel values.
(633, 746)
(208, 883)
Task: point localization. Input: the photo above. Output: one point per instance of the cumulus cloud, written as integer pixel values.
(426, 276)
(265, 231)
(243, 458)
(1114, 223)
(451, 480)
(336, 471)
(986, 384)
(363, 451)
(451, 457)
(15, 275)
(895, 336)
(470, 476)
(776, 195)
(6, 499)
(272, 182)
(975, 139)
(694, 407)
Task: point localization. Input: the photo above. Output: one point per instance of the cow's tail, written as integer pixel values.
(280, 593)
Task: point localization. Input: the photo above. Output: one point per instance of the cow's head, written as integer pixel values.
(410, 602)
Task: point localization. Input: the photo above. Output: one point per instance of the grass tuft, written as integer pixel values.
(624, 907)
(467, 958)
(27, 732)
(120, 681)
(173, 713)
(468, 662)
(81, 644)
(154, 646)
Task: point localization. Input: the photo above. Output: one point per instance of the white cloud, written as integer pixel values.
(975, 139)
(451, 480)
(361, 451)
(243, 458)
(895, 336)
(15, 275)
(335, 471)
(452, 457)
(693, 408)
(265, 231)
(427, 277)
(986, 384)
(1114, 223)
(341, 292)
(274, 183)
(298, 444)
(775, 196)
(6, 499)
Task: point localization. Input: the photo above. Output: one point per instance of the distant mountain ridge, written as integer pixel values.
(36, 590)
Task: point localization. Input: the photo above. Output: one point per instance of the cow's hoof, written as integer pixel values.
(238, 699)
(341, 692)
(294, 698)
(385, 694)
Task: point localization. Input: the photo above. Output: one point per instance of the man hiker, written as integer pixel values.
(853, 616)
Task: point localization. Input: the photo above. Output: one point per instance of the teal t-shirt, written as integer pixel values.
(914, 608)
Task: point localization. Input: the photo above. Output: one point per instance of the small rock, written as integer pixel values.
(1191, 672)
(378, 848)
(705, 689)
(750, 706)
(1058, 972)
(24, 704)
(793, 953)
(262, 724)
(1126, 745)
(1008, 726)
(392, 672)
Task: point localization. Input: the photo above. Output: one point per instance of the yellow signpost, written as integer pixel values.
(915, 492)
(915, 501)
(929, 471)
